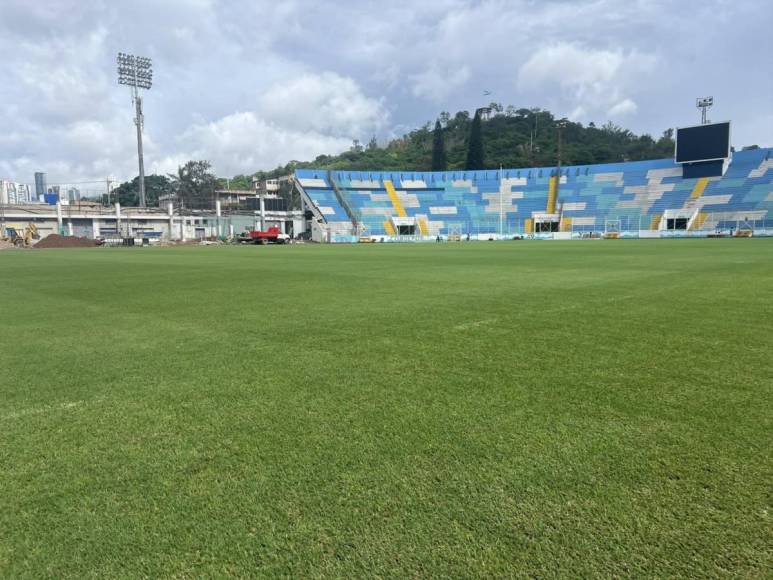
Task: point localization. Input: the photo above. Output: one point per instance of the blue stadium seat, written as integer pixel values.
(635, 193)
(320, 191)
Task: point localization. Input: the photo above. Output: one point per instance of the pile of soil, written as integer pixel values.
(5, 245)
(57, 241)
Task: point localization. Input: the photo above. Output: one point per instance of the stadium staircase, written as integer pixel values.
(552, 195)
(330, 217)
(700, 187)
(698, 221)
(393, 197)
(343, 201)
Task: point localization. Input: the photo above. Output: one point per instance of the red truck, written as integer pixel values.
(270, 236)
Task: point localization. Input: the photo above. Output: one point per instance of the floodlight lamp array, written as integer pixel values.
(704, 102)
(135, 71)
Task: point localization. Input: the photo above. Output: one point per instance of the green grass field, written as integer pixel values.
(460, 410)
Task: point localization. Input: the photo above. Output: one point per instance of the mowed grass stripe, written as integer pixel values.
(582, 409)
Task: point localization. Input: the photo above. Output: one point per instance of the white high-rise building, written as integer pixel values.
(14, 193)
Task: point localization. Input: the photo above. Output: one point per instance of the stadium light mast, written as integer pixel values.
(136, 72)
(560, 126)
(704, 104)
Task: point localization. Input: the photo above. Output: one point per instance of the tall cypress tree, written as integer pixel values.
(439, 162)
(475, 146)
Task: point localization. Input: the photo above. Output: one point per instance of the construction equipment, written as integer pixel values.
(271, 236)
(23, 239)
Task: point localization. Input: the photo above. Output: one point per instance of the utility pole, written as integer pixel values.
(560, 126)
(501, 201)
(137, 73)
(108, 189)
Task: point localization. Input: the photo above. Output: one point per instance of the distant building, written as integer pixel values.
(24, 193)
(40, 185)
(15, 193)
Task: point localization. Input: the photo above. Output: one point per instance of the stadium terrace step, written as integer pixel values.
(341, 197)
(698, 221)
(320, 193)
(392, 193)
(552, 194)
(699, 188)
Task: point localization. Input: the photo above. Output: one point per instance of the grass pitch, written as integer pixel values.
(459, 410)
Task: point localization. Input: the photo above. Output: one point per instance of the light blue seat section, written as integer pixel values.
(323, 196)
(632, 192)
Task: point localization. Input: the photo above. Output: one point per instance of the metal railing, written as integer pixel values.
(714, 225)
(341, 197)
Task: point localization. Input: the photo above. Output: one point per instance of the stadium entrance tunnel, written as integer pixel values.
(547, 226)
(405, 225)
(677, 223)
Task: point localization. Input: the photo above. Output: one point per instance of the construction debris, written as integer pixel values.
(57, 241)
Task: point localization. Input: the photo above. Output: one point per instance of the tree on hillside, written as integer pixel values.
(128, 193)
(439, 162)
(194, 184)
(475, 145)
(241, 182)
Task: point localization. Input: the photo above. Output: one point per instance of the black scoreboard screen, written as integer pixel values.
(703, 143)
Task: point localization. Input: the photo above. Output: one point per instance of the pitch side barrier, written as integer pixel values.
(709, 226)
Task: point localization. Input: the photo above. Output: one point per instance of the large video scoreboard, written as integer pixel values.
(703, 143)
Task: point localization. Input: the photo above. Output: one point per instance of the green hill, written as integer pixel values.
(512, 138)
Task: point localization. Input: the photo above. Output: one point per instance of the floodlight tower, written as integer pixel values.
(137, 73)
(560, 126)
(704, 105)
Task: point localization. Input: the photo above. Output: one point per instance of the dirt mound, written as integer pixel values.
(57, 241)
(5, 245)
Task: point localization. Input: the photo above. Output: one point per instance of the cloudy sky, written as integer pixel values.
(251, 84)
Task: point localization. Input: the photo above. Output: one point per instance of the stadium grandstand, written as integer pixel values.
(625, 199)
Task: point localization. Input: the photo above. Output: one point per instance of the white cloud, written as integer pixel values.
(570, 66)
(253, 84)
(300, 119)
(243, 142)
(437, 83)
(622, 109)
(591, 81)
(325, 102)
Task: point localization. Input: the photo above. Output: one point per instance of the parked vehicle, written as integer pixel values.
(271, 236)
